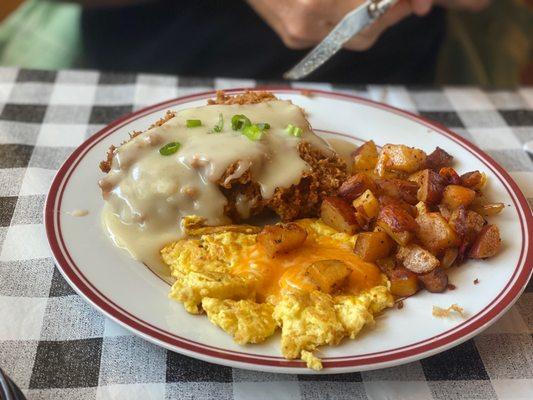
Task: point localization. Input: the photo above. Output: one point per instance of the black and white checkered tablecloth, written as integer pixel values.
(55, 346)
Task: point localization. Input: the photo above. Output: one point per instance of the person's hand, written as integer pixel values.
(304, 23)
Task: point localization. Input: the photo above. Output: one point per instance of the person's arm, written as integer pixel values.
(303, 23)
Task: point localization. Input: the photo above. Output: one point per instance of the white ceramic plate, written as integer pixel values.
(129, 293)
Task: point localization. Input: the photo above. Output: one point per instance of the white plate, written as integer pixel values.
(129, 293)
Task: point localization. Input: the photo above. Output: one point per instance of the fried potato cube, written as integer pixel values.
(417, 259)
(394, 201)
(407, 190)
(403, 282)
(369, 202)
(474, 180)
(354, 186)
(450, 176)
(399, 157)
(402, 238)
(435, 233)
(371, 246)
(466, 223)
(438, 159)
(339, 214)
(283, 238)
(487, 243)
(398, 188)
(416, 176)
(431, 187)
(245, 320)
(421, 208)
(381, 166)
(449, 257)
(455, 196)
(444, 211)
(386, 265)
(365, 157)
(397, 218)
(435, 281)
(363, 220)
(397, 223)
(327, 275)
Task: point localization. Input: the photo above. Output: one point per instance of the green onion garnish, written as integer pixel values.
(193, 123)
(239, 122)
(290, 129)
(242, 123)
(253, 132)
(220, 124)
(294, 130)
(297, 132)
(169, 148)
(263, 125)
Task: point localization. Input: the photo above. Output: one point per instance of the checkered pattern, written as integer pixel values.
(55, 346)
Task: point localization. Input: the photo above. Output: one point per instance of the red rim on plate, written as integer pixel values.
(458, 334)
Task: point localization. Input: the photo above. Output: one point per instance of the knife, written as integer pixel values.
(348, 27)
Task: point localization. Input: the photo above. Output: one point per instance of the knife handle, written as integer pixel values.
(378, 7)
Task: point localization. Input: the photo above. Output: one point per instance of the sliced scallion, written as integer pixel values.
(220, 124)
(169, 148)
(193, 123)
(263, 126)
(239, 122)
(294, 130)
(297, 132)
(252, 132)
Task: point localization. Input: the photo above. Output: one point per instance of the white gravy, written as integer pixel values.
(344, 149)
(147, 193)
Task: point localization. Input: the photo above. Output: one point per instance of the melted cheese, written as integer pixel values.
(147, 194)
(286, 271)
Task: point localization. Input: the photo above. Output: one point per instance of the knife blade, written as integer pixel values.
(348, 27)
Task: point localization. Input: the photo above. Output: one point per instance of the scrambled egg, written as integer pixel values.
(249, 294)
(246, 320)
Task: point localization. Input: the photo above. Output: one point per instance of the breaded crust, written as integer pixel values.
(248, 97)
(298, 201)
(304, 199)
(327, 173)
(105, 166)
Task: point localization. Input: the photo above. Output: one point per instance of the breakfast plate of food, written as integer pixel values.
(290, 231)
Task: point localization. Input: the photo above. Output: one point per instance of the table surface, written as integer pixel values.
(55, 346)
